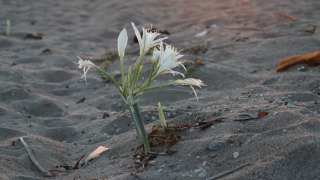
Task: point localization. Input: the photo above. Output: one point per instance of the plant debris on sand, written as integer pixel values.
(160, 140)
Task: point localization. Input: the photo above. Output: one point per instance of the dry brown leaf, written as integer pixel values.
(263, 113)
(199, 62)
(284, 64)
(312, 59)
(287, 16)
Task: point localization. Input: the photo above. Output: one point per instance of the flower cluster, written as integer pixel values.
(164, 59)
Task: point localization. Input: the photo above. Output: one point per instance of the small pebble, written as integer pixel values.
(165, 108)
(202, 175)
(236, 155)
(126, 155)
(159, 170)
(191, 130)
(116, 74)
(198, 170)
(152, 162)
(201, 34)
(214, 26)
(198, 157)
(302, 68)
(215, 146)
(204, 164)
(113, 157)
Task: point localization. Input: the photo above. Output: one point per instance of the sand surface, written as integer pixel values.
(246, 39)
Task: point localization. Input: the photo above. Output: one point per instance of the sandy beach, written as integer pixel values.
(239, 44)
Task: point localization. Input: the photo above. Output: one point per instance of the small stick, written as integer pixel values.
(33, 159)
(227, 172)
(78, 162)
(160, 153)
(245, 119)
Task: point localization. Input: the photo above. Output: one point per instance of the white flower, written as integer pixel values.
(85, 64)
(168, 59)
(122, 42)
(190, 81)
(147, 40)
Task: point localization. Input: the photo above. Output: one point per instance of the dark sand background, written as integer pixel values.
(246, 39)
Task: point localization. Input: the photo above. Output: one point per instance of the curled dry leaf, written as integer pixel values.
(287, 16)
(284, 64)
(199, 62)
(32, 36)
(205, 124)
(312, 59)
(263, 113)
(96, 153)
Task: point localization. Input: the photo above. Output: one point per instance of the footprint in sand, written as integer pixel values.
(8, 134)
(54, 76)
(14, 95)
(41, 107)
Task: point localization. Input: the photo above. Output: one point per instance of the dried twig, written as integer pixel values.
(227, 172)
(76, 166)
(33, 159)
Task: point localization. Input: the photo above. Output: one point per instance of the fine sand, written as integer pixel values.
(246, 39)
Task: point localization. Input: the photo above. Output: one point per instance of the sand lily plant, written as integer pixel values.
(164, 59)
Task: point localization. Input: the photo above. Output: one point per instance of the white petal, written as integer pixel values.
(122, 42)
(173, 72)
(168, 59)
(190, 81)
(147, 40)
(137, 34)
(155, 53)
(85, 64)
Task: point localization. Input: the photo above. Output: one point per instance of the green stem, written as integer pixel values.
(137, 66)
(151, 79)
(138, 77)
(155, 87)
(122, 69)
(141, 127)
(110, 77)
(151, 71)
(140, 139)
